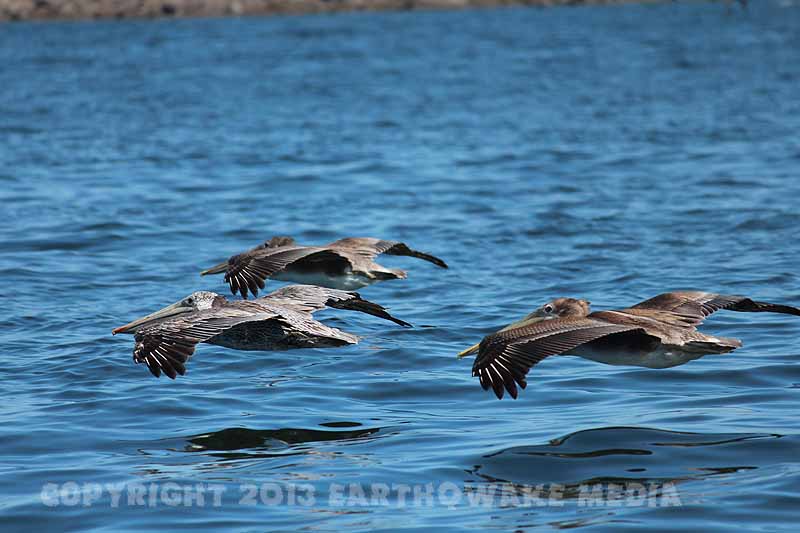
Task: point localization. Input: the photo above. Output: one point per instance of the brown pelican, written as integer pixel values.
(346, 264)
(280, 320)
(657, 333)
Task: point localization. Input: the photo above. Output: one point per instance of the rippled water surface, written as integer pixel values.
(609, 153)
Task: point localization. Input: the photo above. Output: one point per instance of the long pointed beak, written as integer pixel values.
(469, 351)
(216, 269)
(171, 310)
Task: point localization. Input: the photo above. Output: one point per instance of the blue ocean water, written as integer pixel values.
(609, 153)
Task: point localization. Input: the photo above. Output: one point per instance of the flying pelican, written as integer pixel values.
(657, 333)
(280, 320)
(346, 264)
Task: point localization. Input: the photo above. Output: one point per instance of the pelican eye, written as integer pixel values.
(548, 308)
(188, 301)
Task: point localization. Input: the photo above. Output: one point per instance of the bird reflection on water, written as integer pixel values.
(243, 443)
(628, 455)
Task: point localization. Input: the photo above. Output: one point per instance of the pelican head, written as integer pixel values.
(278, 242)
(558, 308)
(197, 301)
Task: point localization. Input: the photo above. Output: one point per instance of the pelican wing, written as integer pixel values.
(248, 271)
(167, 346)
(504, 358)
(370, 248)
(310, 298)
(698, 305)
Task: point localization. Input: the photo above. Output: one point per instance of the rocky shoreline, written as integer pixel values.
(110, 9)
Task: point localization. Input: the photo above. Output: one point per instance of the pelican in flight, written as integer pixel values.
(346, 264)
(657, 333)
(280, 320)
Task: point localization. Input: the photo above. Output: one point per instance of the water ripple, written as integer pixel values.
(603, 153)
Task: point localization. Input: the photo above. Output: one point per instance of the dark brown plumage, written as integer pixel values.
(657, 333)
(344, 264)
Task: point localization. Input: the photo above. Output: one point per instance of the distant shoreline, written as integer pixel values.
(11, 10)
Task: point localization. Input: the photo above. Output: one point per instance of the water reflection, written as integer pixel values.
(629, 455)
(234, 443)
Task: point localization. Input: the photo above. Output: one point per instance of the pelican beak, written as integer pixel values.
(216, 269)
(469, 351)
(171, 310)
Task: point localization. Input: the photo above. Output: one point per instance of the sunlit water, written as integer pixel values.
(608, 153)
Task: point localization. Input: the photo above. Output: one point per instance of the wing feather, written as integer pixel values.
(370, 248)
(310, 298)
(167, 346)
(700, 305)
(504, 358)
(248, 271)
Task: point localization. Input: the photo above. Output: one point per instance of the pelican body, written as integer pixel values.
(281, 320)
(346, 264)
(658, 333)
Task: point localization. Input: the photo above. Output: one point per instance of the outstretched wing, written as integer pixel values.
(167, 346)
(698, 305)
(371, 248)
(310, 298)
(504, 358)
(249, 270)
